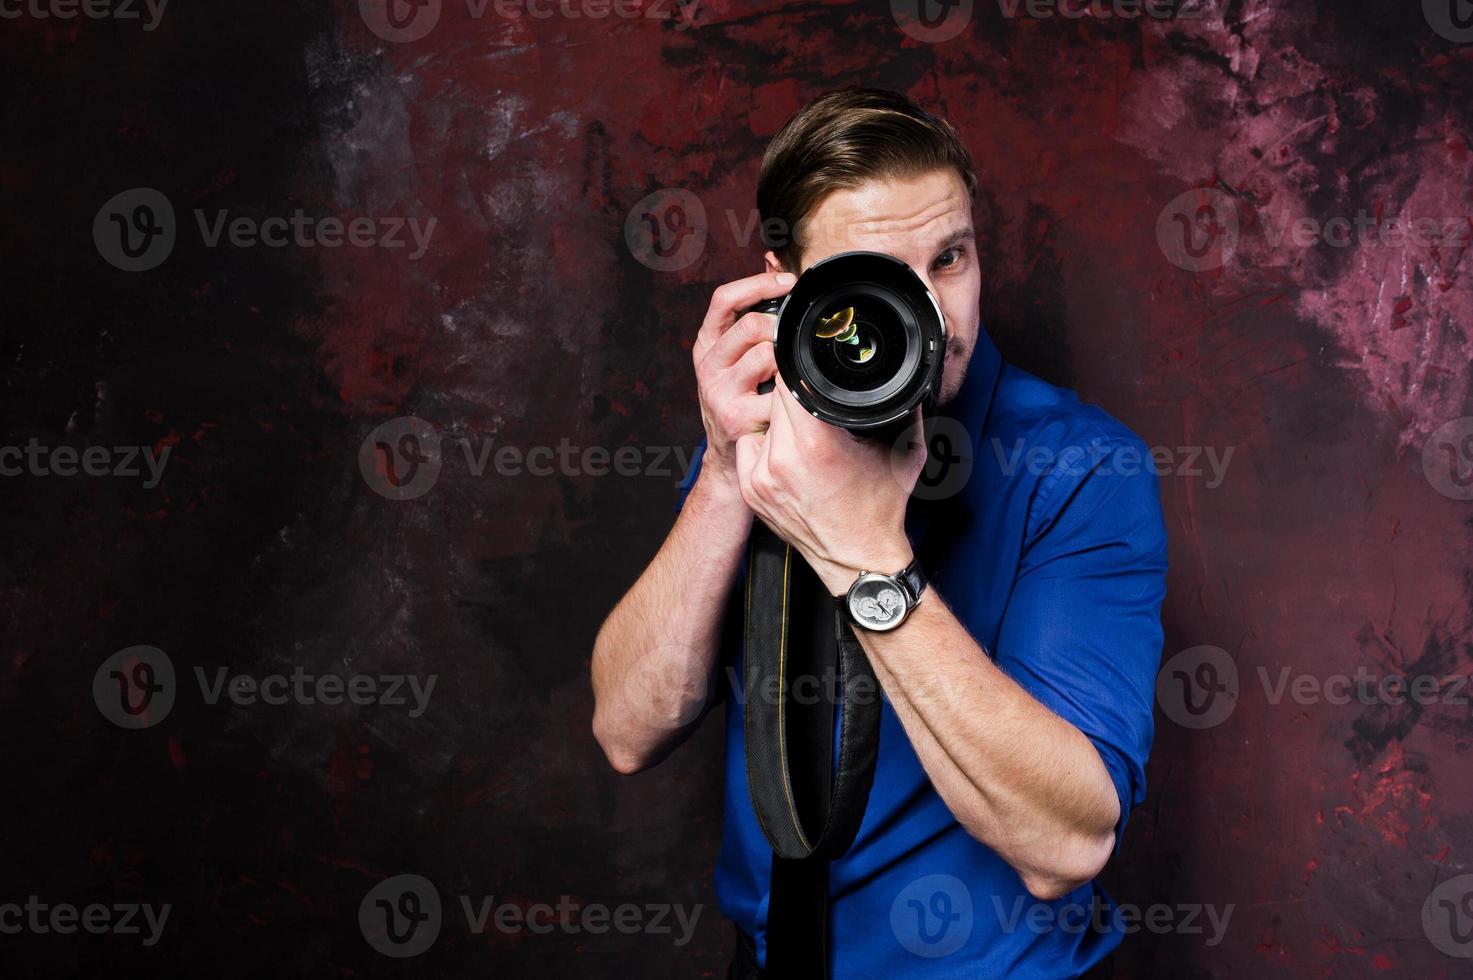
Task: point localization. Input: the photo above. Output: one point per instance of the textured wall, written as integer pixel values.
(533, 313)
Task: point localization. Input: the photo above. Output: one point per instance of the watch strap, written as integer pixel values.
(913, 578)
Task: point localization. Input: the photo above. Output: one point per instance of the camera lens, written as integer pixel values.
(860, 341)
(859, 344)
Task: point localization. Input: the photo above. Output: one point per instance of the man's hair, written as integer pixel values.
(840, 140)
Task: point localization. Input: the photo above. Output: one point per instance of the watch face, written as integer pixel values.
(876, 602)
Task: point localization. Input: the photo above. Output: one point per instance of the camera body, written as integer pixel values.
(860, 341)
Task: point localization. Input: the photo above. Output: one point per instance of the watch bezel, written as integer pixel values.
(892, 581)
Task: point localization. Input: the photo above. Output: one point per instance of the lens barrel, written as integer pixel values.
(860, 341)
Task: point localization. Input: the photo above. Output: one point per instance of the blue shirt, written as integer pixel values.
(1052, 554)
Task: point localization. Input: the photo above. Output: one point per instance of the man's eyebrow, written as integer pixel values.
(954, 239)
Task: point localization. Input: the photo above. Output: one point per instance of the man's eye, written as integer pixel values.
(948, 258)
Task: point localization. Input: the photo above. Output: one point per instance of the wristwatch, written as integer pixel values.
(880, 602)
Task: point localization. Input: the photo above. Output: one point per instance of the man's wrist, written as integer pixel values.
(888, 558)
(718, 490)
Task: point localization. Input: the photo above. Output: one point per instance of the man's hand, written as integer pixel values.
(733, 354)
(838, 498)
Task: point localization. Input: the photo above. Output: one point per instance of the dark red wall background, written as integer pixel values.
(529, 320)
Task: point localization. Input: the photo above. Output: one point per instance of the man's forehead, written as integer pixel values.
(930, 211)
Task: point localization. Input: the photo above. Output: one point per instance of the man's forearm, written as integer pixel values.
(1017, 776)
(655, 658)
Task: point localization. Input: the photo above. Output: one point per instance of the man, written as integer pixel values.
(1018, 692)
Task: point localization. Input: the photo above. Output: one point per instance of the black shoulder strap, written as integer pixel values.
(802, 656)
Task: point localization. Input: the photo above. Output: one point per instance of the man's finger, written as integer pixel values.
(799, 426)
(730, 299)
(748, 332)
(758, 364)
(780, 427)
(747, 413)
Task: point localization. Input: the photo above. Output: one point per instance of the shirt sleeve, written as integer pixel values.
(689, 480)
(1082, 630)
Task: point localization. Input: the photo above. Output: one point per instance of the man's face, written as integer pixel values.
(925, 222)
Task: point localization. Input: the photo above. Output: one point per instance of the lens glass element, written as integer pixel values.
(858, 343)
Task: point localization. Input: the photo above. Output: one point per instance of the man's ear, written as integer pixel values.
(770, 260)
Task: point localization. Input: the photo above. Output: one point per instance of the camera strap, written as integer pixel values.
(801, 658)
